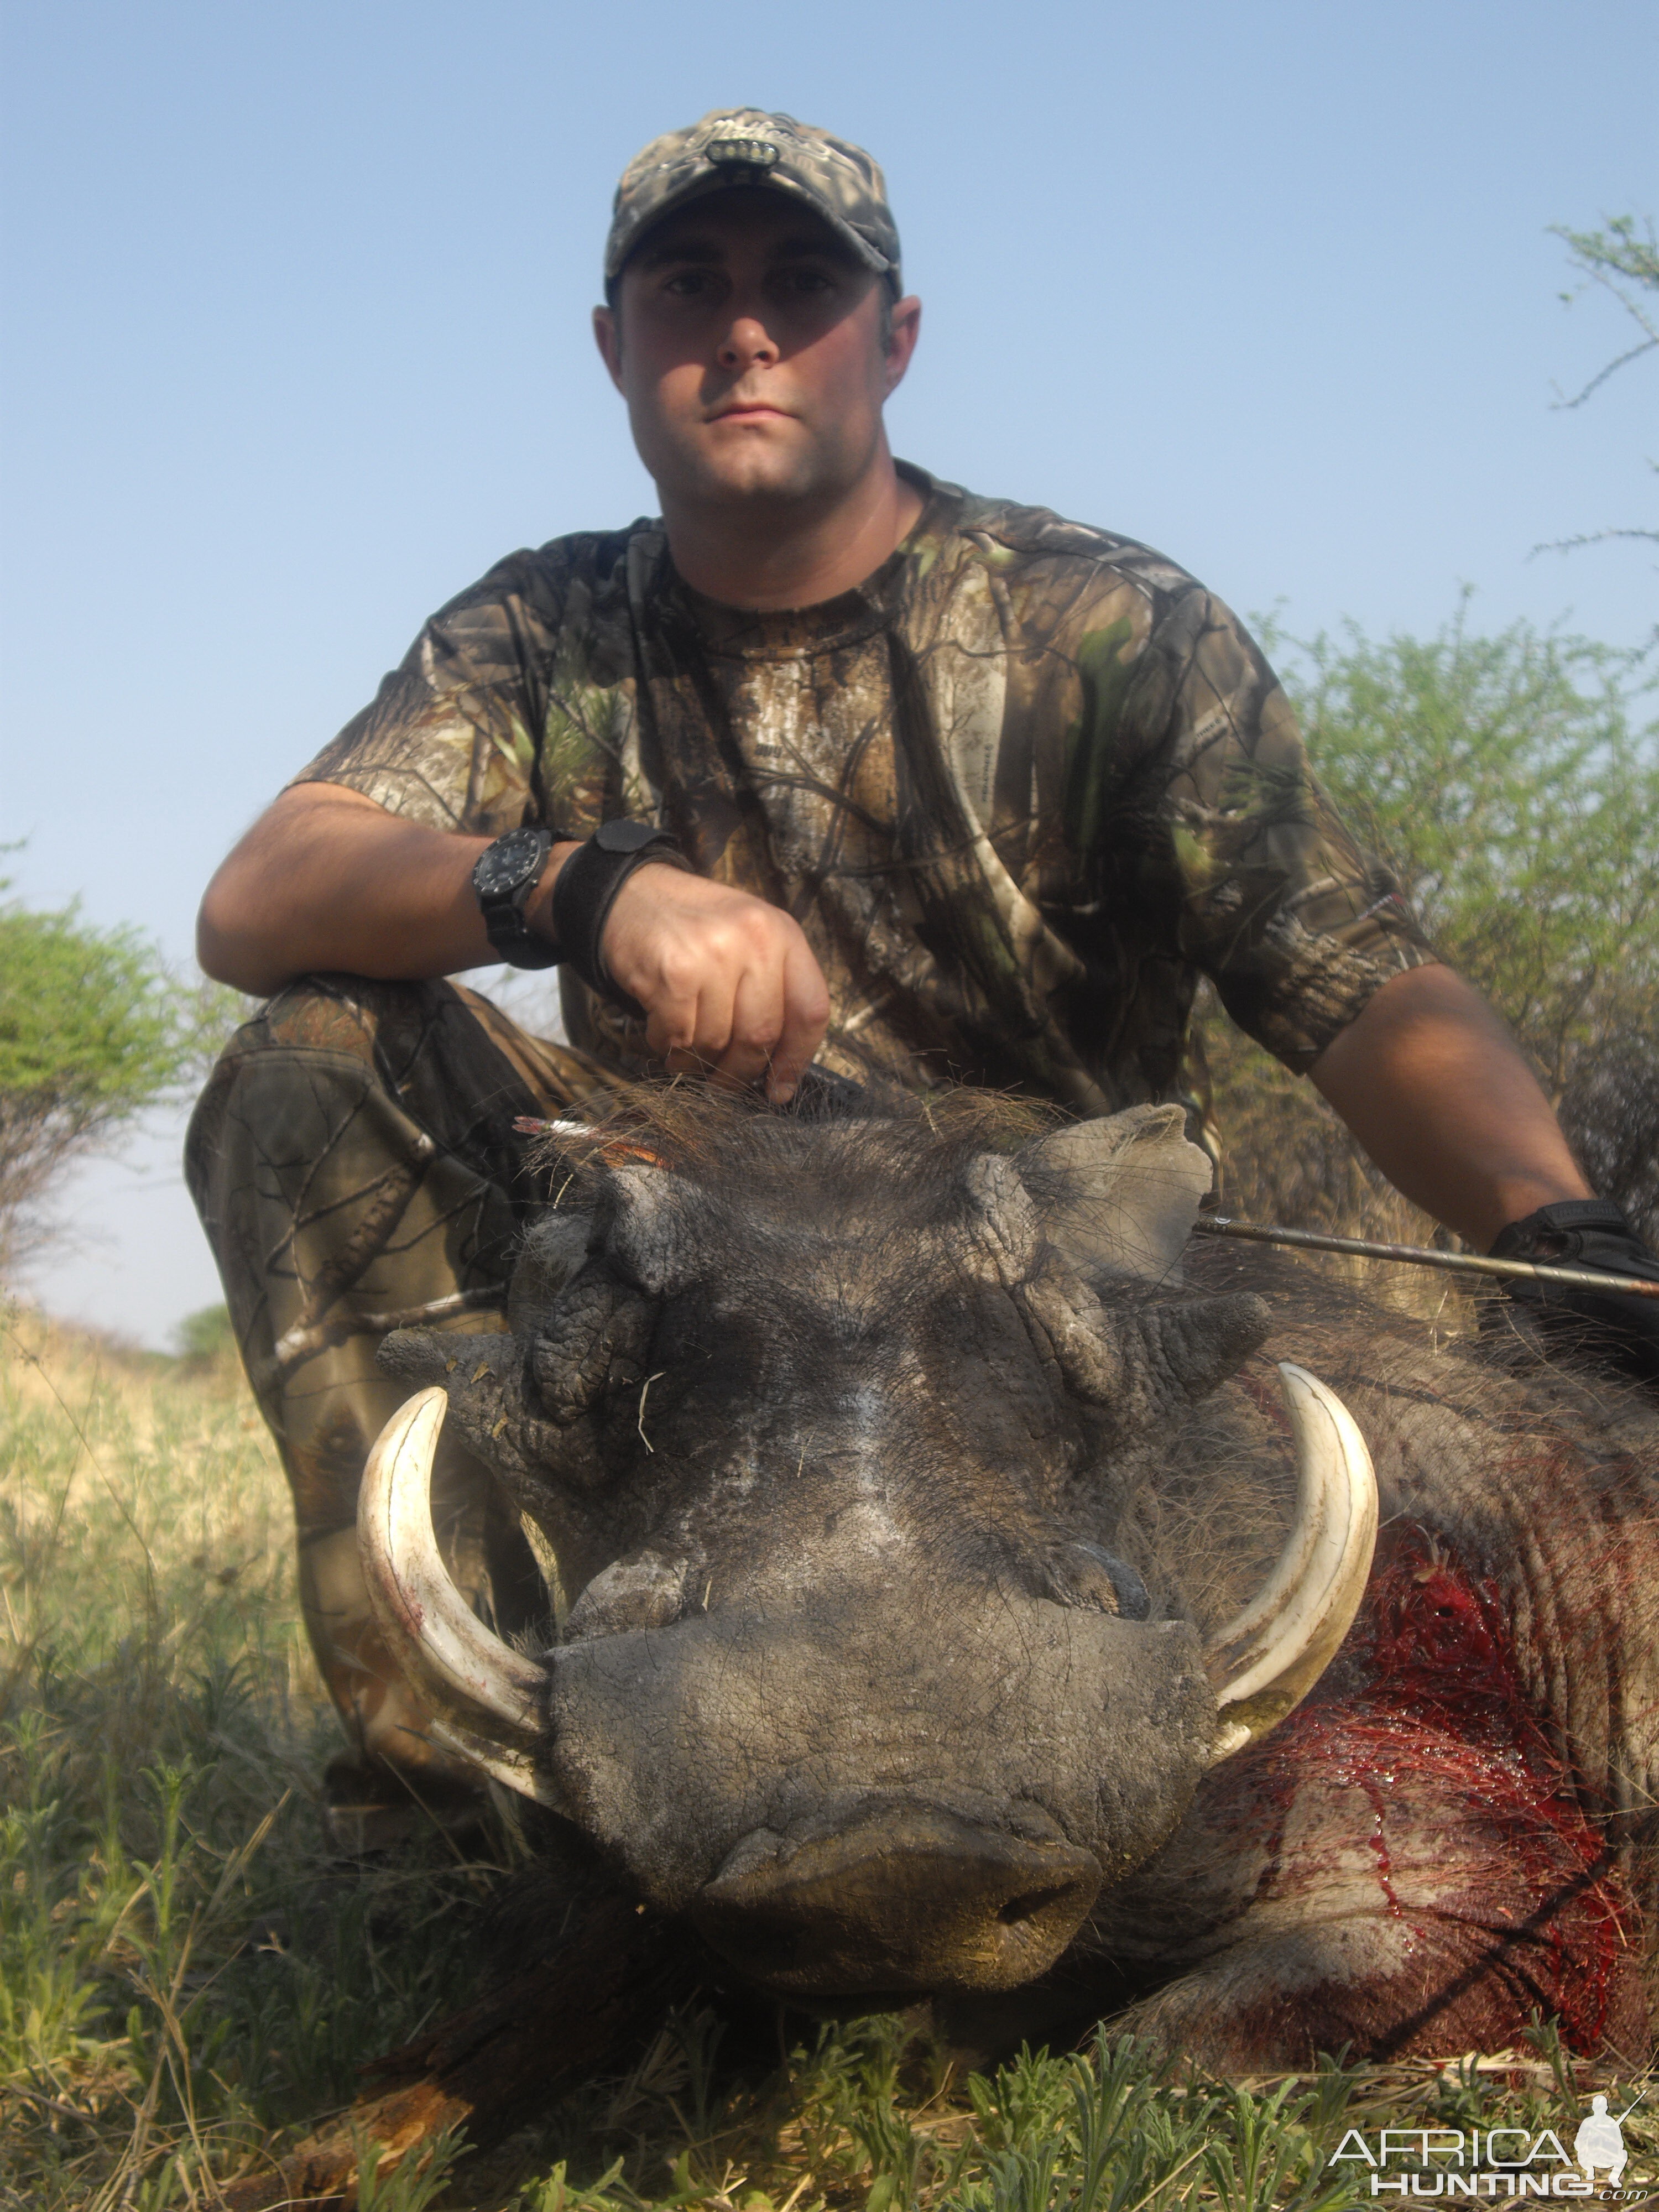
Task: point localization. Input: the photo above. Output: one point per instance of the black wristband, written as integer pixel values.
(1554, 1230)
(586, 890)
(1616, 1329)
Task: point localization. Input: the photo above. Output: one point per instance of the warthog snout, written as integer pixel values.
(905, 1898)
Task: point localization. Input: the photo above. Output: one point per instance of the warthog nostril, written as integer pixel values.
(907, 1898)
(1032, 1907)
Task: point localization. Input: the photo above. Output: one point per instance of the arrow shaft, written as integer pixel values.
(1424, 1255)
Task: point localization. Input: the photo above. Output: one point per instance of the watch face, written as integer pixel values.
(510, 862)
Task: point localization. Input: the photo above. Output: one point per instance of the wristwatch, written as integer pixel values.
(503, 877)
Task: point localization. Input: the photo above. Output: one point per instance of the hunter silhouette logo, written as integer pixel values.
(1600, 2141)
(1493, 2163)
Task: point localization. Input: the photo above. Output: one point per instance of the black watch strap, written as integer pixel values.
(586, 890)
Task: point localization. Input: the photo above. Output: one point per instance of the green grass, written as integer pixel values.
(188, 1981)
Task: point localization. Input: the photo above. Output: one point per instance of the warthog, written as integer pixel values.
(951, 1600)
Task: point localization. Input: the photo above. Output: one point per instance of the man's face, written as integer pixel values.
(748, 342)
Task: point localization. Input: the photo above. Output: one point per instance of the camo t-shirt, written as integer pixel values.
(1021, 789)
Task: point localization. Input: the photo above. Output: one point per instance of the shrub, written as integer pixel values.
(1510, 784)
(206, 1339)
(93, 1028)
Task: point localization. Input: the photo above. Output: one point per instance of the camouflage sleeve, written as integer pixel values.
(449, 740)
(1277, 903)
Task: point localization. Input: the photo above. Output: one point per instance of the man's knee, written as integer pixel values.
(348, 1178)
(324, 1018)
(352, 1013)
(348, 1016)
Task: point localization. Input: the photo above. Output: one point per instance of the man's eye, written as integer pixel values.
(687, 284)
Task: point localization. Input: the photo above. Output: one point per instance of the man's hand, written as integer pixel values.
(1619, 1329)
(728, 983)
(1432, 1084)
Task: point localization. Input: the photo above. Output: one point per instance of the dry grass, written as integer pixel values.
(187, 1980)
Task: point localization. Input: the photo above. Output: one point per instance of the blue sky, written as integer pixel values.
(295, 345)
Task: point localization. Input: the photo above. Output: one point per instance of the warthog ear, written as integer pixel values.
(620, 1181)
(1118, 1196)
(554, 1251)
(645, 1229)
(1140, 1367)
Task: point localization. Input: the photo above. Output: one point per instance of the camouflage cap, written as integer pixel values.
(746, 146)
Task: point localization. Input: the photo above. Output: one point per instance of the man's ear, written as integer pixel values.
(905, 327)
(607, 336)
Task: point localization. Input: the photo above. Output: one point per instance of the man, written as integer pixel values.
(959, 790)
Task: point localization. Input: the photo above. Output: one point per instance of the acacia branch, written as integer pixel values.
(1647, 345)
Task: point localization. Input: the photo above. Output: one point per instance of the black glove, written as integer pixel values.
(1619, 1329)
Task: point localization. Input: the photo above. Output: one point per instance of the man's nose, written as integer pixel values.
(747, 344)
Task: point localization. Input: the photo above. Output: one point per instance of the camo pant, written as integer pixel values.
(355, 1166)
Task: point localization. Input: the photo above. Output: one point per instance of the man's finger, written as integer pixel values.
(672, 1007)
(699, 1042)
(806, 1017)
(756, 1021)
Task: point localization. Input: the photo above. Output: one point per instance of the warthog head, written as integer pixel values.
(826, 1425)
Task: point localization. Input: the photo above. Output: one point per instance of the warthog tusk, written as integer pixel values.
(1270, 1655)
(435, 1635)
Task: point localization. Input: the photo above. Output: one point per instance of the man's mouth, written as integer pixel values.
(744, 410)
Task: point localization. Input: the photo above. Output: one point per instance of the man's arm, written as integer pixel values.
(329, 880)
(1331, 974)
(1431, 1082)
